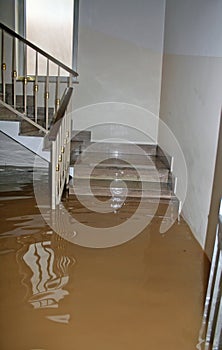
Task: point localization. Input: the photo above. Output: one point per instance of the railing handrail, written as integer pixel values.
(60, 114)
(36, 48)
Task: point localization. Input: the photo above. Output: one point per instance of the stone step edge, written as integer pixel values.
(98, 191)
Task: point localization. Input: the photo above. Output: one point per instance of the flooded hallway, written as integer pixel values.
(146, 293)
(110, 175)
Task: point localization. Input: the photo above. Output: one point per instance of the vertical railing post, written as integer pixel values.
(217, 334)
(216, 293)
(58, 167)
(69, 80)
(14, 72)
(75, 35)
(47, 96)
(25, 81)
(210, 331)
(68, 133)
(36, 89)
(53, 175)
(57, 99)
(3, 66)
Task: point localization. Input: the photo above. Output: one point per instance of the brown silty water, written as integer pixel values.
(147, 293)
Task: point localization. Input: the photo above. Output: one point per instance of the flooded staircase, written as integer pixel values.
(121, 171)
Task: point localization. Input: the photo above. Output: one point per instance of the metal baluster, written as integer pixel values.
(47, 97)
(58, 166)
(57, 99)
(53, 174)
(25, 80)
(3, 66)
(70, 80)
(217, 334)
(14, 72)
(215, 294)
(36, 88)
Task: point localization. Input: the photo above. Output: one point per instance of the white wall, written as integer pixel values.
(34, 144)
(191, 97)
(120, 60)
(55, 36)
(13, 153)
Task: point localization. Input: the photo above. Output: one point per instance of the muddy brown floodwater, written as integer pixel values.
(145, 294)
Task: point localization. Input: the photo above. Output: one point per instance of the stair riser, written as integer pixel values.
(7, 115)
(20, 100)
(81, 136)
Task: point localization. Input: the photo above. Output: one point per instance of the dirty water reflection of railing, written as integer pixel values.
(45, 267)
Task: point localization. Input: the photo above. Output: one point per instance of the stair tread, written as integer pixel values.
(164, 208)
(130, 174)
(103, 183)
(173, 200)
(135, 188)
(128, 161)
(112, 148)
(167, 194)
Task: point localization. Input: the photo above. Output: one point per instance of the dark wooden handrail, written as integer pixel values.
(60, 114)
(36, 48)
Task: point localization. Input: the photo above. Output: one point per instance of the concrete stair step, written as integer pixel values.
(134, 202)
(121, 183)
(27, 129)
(20, 100)
(7, 115)
(127, 174)
(87, 159)
(165, 208)
(80, 136)
(114, 149)
(134, 190)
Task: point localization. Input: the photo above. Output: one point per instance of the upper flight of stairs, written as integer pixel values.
(25, 128)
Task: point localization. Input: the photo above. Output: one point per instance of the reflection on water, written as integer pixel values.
(45, 269)
(118, 189)
(16, 179)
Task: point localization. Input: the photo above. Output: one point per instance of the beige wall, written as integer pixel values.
(120, 62)
(51, 30)
(191, 98)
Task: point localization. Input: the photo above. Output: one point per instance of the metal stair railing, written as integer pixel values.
(10, 41)
(59, 136)
(57, 130)
(210, 336)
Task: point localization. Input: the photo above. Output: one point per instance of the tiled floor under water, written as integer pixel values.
(145, 294)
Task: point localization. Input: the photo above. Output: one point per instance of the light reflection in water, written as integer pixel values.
(118, 189)
(45, 266)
